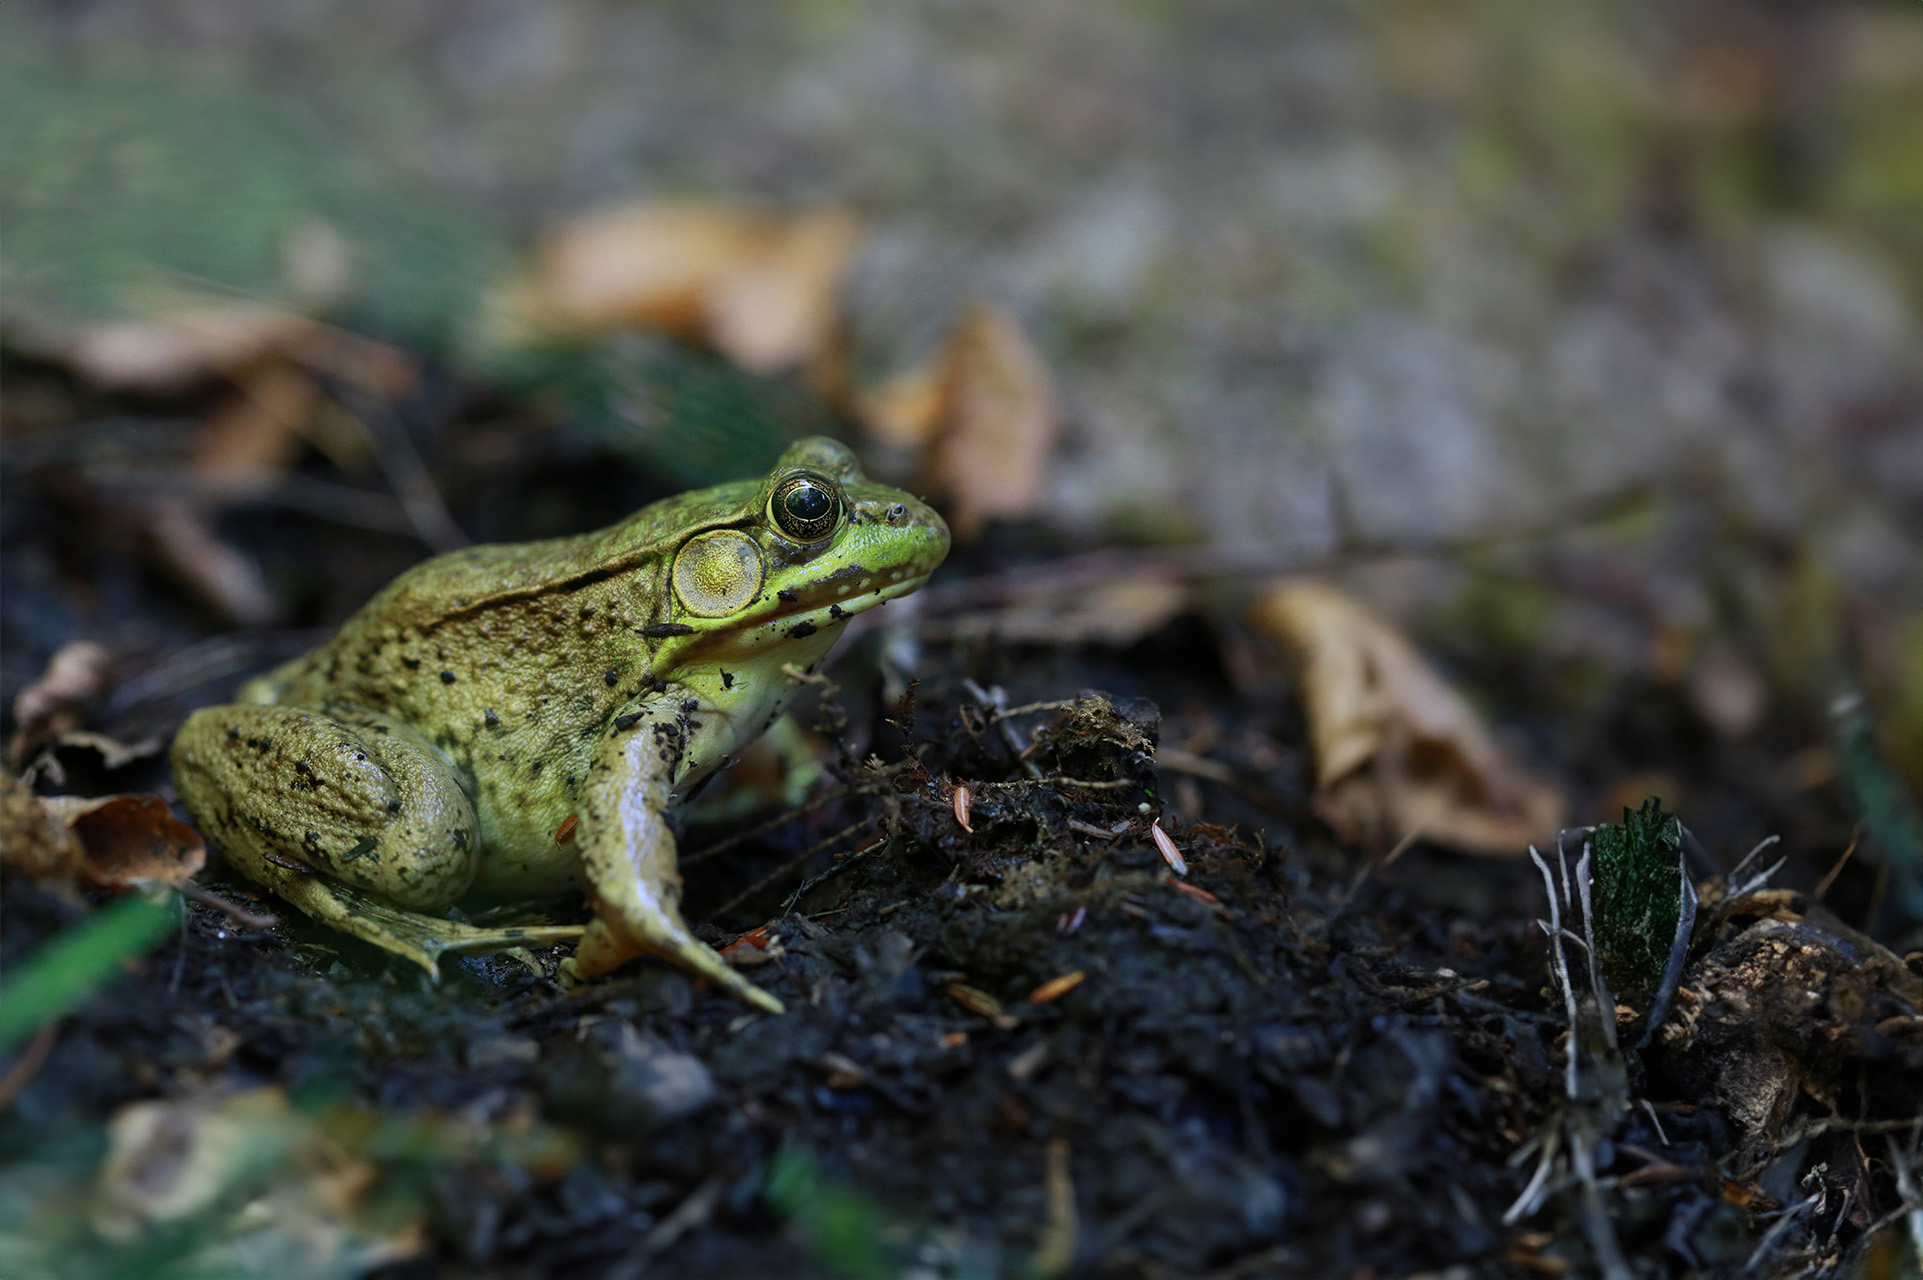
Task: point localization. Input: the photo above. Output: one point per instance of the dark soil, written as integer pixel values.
(1274, 1065)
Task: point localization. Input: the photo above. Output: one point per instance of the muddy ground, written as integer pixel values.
(1029, 1048)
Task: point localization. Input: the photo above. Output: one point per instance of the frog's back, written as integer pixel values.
(497, 614)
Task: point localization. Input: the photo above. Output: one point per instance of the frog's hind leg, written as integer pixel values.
(350, 815)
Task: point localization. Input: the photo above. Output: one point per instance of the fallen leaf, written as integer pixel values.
(179, 347)
(77, 676)
(1398, 753)
(984, 405)
(761, 289)
(112, 754)
(118, 842)
(226, 1167)
(251, 441)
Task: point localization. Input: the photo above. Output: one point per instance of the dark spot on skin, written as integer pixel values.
(447, 677)
(657, 630)
(786, 596)
(801, 630)
(628, 721)
(300, 766)
(412, 664)
(233, 735)
(460, 602)
(655, 684)
(835, 611)
(381, 729)
(611, 676)
(491, 719)
(363, 847)
(393, 806)
(535, 772)
(690, 705)
(462, 839)
(727, 680)
(587, 611)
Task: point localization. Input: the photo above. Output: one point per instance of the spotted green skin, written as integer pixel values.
(493, 697)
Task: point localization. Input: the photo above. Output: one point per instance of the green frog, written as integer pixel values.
(513, 720)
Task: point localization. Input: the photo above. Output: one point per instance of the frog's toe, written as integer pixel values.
(420, 938)
(604, 949)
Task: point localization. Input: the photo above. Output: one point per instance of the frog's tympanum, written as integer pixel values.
(511, 720)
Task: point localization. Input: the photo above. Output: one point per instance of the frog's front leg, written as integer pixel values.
(628, 856)
(350, 815)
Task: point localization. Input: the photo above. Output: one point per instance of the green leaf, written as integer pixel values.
(1638, 897)
(61, 975)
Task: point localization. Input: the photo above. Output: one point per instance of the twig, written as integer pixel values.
(787, 867)
(21, 1074)
(1829, 877)
(238, 914)
(781, 819)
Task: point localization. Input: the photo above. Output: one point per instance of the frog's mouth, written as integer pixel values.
(842, 594)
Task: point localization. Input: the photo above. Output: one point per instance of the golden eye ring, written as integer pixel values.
(806, 507)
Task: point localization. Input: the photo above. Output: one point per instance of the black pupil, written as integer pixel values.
(808, 503)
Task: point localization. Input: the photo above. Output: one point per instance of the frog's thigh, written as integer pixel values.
(354, 795)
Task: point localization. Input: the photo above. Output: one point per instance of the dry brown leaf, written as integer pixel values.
(252, 440)
(985, 407)
(34, 841)
(178, 348)
(117, 842)
(226, 1165)
(760, 289)
(1398, 752)
(77, 676)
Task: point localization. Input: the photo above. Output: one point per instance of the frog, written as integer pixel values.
(512, 721)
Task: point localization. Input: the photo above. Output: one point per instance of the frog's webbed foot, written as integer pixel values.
(420, 938)
(605, 948)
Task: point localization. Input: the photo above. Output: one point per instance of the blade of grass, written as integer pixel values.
(842, 1228)
(62, 974)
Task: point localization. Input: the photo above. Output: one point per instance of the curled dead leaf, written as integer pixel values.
(984, 405)
(77, 677)
(179, 347)
(759, 288)
(224, 1166)
(1398, 753)
(118, 842)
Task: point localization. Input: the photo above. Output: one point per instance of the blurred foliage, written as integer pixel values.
(64, 972)
(683, 411)
(1892, 825)
(129, 179)
(842, 1228)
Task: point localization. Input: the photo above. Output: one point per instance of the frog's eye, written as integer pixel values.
(806, 506)
(717, 573)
